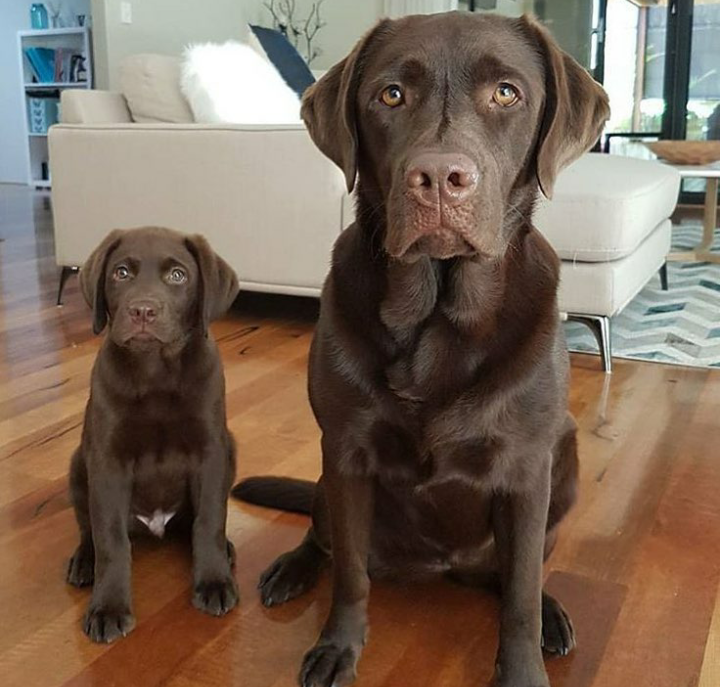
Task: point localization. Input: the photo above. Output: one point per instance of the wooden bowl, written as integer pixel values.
(686, 152)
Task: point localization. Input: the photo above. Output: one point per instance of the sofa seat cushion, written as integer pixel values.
(151, 86)
(605, 206)
(605, 288)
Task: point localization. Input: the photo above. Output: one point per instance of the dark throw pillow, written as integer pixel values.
(282, 53)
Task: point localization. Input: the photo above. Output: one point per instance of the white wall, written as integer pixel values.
(347, 20)
(14, 17)
(166, 26)
(160, 26)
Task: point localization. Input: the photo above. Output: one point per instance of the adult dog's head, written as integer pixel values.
(447, 118)
(155, 286)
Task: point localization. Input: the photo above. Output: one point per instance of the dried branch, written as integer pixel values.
(297, 30)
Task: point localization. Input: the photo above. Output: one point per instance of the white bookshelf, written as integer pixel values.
(75, 39)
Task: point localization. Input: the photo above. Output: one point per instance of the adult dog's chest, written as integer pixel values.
(430, 350)
(433, 429)
(436, 364)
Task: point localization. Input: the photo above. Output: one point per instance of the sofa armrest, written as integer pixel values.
(80, 106)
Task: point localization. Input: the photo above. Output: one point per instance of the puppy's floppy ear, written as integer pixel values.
(218, 283)
(576, 108)
(329, 107)
(92, 279)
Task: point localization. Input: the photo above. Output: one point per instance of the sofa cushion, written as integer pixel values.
(151, 86)
(232, 83)
(605, 288)
(287, 60)
(604, 206)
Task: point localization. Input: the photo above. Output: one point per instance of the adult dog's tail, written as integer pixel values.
(283, 493)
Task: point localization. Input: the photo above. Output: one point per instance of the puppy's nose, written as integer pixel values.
(144, 311)
(450, 178)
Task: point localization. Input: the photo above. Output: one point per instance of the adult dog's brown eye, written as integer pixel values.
(505, 95)
(177, 276)
(121, 273)
(392, 96)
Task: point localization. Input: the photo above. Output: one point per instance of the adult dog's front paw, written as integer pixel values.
(216, 597)
(106, 623)
(329, 665)
(520, 676)
(558, 635)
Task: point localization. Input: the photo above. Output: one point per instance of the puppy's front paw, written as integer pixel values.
(216, 597)
(329, 665)
(105, 624)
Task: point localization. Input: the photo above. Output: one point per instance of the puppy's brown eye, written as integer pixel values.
(392, 96)
(121, 273)
(177, 276)
(506, 95)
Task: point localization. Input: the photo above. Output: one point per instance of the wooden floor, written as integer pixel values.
(638, 564)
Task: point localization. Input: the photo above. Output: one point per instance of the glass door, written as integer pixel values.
(575, 24)
(662, 72)
(702, 115)
(636, 38)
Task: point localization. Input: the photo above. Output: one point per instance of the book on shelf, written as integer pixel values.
(62, 65)
(42, 62)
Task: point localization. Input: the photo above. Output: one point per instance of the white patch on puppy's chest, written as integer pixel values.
(156, 522)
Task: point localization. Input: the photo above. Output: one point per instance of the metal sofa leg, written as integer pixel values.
(600, 327)
(664, 277)
(64, 276)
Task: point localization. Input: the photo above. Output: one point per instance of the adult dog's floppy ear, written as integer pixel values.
(329, 107)
(92, 279)
(218, 283)
(576, 108)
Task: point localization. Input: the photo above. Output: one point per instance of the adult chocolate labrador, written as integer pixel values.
(438, 372)
(155, 444)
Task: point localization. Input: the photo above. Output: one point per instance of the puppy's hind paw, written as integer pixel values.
(81, 567)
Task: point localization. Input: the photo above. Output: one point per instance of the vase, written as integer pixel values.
(38, 16)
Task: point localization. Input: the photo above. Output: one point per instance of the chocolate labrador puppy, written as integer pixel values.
(438, 372)
(155, 445)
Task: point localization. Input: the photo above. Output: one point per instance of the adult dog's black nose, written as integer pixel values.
(447, 178)
(144, 312)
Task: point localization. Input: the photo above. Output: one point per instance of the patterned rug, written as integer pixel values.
(680, 326)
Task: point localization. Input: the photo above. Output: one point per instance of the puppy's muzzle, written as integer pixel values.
(143, 315)
(144, 312)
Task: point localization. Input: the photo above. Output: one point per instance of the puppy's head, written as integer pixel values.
(445, 117)
(155, 286)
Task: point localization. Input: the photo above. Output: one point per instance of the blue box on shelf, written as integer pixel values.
(42, 114)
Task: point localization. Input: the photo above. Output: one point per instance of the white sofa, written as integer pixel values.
(272, 205)
(609, 221)
(264, 196)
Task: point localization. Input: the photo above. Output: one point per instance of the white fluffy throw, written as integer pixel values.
(233, 83)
